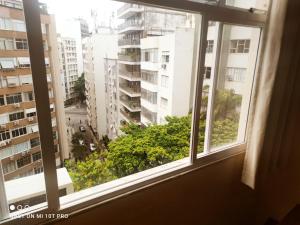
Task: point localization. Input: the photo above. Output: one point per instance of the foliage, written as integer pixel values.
(79, 151)
(79, 88)
(90, 172)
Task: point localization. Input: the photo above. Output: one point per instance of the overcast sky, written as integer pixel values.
(65, 9)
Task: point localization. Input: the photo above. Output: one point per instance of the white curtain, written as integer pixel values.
(263, 91)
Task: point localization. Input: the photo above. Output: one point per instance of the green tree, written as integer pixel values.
(79, 88)
(79, 148)
(94, 170)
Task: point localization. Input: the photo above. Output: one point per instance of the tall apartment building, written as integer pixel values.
(99, 53)
(166, 75)
(140, 22)
(20, 151)
(69, 65)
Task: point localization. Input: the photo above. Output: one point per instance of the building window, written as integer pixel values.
(14, 98)
(21, 44)
(19, 25)
(9, 167)
(165, 57)
(36, 156)
(150, 55)
(24, 161)
(5, 24)
(38, 170)
(149, 76)
(164, 81)
(6, 44)
(149, 96)
(163, 102)
(239, 46)
(16, 116)
(4, 135)
(235, 74)
(18, 132)
(207, 72)
(210, 46)
(28, 96)
(2, 101)
(34, 142)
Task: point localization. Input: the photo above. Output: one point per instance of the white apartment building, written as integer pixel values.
(97, 49)
(140, 22)
(69, 65)
(166, 76)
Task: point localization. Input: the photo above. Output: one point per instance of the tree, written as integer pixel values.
(79, 148)
(79, 88)
(90, 172)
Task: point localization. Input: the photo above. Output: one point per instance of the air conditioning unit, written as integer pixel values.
(17, 105)
(164, 66)
(16, 122)
(8, 142)
(3, 126)
(30, 119)
(2, 143)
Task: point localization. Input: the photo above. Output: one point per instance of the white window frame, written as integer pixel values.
(96, 195)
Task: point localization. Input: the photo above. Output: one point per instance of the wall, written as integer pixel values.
(208, 196)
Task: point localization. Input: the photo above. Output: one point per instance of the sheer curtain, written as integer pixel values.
(263, 95)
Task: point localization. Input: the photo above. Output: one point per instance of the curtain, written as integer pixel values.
(263, 92)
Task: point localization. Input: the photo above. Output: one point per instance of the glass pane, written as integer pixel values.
(20, 150)
(233, 85)
(247, 4)
(127, 80)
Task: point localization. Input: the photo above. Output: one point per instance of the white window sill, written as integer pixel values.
(91, 197)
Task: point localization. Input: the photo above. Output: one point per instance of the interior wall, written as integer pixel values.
(212, 195)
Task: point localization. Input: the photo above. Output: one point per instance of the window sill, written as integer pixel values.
(94, 196)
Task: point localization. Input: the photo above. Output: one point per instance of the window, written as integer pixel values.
(6, 44)
(18, 132)
(36, 156)
(149, 96)
(2, 101)
(149, 76)
(239, 46)
(24, 161)
(150, 55)
(163, 102)
(207, 72)
(235, 74)
(30, 112)
(28, 96)
(4, 135)
(9, 167)
(7, 63)
(34, 142)
(19, 25)
(14, 98)
(21, 44)
(16, 116)
(5, 24)
(38, 170)
(210, 46)
(25, 79)
(24, 62)
(3, 119)
(165, 57)
(164, 81)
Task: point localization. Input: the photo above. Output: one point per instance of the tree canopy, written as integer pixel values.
(79, 88)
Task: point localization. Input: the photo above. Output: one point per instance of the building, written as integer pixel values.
(20, 151)
(69, 65)
(140, 22)
(84, 28)
(100, 52)
(162, 73)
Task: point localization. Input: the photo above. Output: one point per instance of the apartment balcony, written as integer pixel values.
(131, 25)
(130, 117)
(148, 117)
(129, 43)
(130, 104)
(131, 91)
(129, 58)
(129, 75)
(128, 10)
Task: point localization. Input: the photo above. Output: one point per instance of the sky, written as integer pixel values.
(66, 9)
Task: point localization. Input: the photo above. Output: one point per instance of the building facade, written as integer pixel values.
(99, 51)
(20, 150)
(69, 65)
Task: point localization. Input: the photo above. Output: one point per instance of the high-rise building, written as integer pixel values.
(20, 150)
(69, 65)
(100, 53)
(140, 22)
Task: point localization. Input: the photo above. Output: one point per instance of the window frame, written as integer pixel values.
(96, 195)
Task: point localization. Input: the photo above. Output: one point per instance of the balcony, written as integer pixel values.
(150, 117)
(130, 117)
(128, 10)
(129, 42)
(129, 58)
(129, 75)
(131, 104)
(131, 25)
(132, 91)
